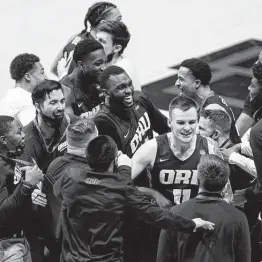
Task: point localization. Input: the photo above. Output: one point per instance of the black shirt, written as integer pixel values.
(229, 242)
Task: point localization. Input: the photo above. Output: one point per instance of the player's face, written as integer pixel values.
(254, 88)
(15, 138)
(114, 15)
(186, 82)
(121, 90)
(54, 105)
(107, 42)
(37, 75)
(183, 124)
(205, 127)
(94, 64)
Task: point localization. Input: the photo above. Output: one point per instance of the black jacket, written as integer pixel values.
(93, 209)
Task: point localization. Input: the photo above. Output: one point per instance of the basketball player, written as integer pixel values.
(114, 36)
(98, 12)
(194, 76)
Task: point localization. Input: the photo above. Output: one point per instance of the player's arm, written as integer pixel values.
(53, 68)
(144, 157)
(158, 121)
(243, 123)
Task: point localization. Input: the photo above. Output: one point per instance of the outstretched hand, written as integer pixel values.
(204, 224)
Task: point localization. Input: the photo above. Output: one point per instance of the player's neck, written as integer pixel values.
(24, 85)
(223, 141)
(204, 92)
(76, 78)
(182, 150)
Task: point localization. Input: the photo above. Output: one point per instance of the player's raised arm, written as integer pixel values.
(144, 156)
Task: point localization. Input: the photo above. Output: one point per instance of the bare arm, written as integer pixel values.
(244, 122)
(144, 156)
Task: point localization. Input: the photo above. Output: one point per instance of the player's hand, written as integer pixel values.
(33, 174)
(123, 159)
(227, 152)
(204, 224)
(239, 197)
(162, 201)
(63, 65)
(39, 198)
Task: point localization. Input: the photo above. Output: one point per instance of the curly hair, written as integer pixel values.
(21, 64)
(213, 172)
(5, 124)
(199, 68)
(85, 47)
(96, 13)
(257, 70)
(119, 32)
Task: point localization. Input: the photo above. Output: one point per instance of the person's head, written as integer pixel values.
(99, 12)
(183, 118)
(90, 58)
(27, 69)
(114, 37)
(193, 74)
(214, 124)
(101, 153)
(80, 133)
(117, 87)
(213, 173)
(49, 101)
(12, 137)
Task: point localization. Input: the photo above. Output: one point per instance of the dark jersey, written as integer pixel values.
(174, 178)
(69, 49)
(80, 101)
(216, 99)
(43, 150)
(135, 128)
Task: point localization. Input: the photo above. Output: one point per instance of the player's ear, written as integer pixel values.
(169, 123)
(27, 77)
(198, 83)
(37, 107)
(3, 140)
(118, 48)
(216, 135)
(80, 65)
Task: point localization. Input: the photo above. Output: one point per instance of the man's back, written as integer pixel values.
(228, 242)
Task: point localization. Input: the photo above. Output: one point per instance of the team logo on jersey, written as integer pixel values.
(92, 181)
(62, 146)
(143, 126)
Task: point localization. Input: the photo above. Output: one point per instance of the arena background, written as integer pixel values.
(164, 32)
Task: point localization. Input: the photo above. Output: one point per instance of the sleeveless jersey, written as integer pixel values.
(69, 49)
(176, 179)
(216, 99)
(132, 134)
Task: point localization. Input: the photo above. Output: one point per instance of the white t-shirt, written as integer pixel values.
(130, 70)
(18, 104)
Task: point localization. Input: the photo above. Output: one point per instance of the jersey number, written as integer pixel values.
(181, 195)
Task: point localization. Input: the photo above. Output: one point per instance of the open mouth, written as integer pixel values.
(186, 134)
(128, 99)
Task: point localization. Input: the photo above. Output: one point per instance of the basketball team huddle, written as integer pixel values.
(91, 170)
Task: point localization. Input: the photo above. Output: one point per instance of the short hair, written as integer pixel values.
(199, 68)
(5, 124)
(96, 13)
(220, 119)
(257, 71)
(100, 153)
(118, 31)
(107, 73)
(21, 64)
(85, 47)
(43, 89)
(183, 103)
(80, 128)
(213, 172)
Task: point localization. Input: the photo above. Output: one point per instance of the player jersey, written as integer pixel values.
(216, 99)
(176, 179)
(69, 49)
(134, 128)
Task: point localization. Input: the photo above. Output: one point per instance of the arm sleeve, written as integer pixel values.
(106, 128)
(244, 163)
(151, 213)
(10, 204)
(166, 245)
(243, 246)
(157, 119)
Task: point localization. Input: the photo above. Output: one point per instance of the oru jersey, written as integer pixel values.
(176, 179)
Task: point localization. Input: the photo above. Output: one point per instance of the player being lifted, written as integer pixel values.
(173, 157)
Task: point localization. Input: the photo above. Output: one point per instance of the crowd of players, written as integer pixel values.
(91, 170)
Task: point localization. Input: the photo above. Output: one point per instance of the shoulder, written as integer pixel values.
(183, 208)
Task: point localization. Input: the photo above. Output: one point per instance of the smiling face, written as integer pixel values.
(120, 90)
(183, 124)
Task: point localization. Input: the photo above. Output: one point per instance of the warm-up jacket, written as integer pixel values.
(93, 209)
